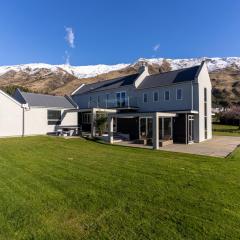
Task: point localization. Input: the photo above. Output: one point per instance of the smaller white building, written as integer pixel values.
(11, 116)
(34, 114)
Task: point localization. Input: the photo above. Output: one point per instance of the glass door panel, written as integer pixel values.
(149, 127)
(160, 129)
(143, 132)
(118, 99)
(167, 128)
(123, 99)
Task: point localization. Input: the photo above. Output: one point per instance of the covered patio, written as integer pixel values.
(148, 129)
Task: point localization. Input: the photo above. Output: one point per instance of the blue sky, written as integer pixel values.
(110, 31)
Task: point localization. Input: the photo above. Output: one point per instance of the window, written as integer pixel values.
(155, 96)
(167, 95)
(86, 118)
(121, 99)
(145, 97)
(205, 113)
(179, 94)
(54, 117)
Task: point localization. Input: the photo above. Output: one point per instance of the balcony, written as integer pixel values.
(123, 103)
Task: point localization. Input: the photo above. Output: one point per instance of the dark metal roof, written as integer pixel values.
(44, 100)
(155, 80)
(108, 84)
(172, 77)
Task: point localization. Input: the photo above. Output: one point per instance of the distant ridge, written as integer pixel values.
(63, 79)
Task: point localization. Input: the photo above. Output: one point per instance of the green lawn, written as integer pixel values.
(226, 130)
(52, 188)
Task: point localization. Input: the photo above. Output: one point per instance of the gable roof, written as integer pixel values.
(151, 81)
(108, 84)
(43, 100)
(172, 77)
(11, 98)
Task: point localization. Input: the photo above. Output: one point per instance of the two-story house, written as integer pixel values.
(152, 109)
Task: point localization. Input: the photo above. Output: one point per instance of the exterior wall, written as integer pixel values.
(136, 98)
(161, 105)
(36, 122)
(11, 117)
(203, 81)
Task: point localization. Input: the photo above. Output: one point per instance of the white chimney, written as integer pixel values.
(143, 71)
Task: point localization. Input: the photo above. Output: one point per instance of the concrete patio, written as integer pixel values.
(219, 146)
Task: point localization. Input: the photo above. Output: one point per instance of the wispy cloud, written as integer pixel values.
(156, 47)
(70, 36)
(67, 58)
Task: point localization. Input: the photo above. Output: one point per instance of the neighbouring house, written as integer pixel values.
(11, 116)
(34, 114)
(154, 109)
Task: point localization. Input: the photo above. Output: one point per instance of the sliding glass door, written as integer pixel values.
(145, 128)
(165, 128)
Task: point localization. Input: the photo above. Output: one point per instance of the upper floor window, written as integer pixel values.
(145, 97)
(54, 117)
(205, 94)
(155, 96)
(179, 94)
(167, 95)
(121, 99)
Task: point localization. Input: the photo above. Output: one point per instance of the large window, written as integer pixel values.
(86, 118)
(179, 94)
(205, 114)
(165, 128)
(167, 95)
(155, 96)
(54, 117)
(121, 99)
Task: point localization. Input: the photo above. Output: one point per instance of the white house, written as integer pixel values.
(11, 116)
(34, 114)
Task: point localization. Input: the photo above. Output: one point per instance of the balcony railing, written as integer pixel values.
(127, 102)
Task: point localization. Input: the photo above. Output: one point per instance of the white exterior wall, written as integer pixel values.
(36, 122)
(203, 81)
(11, 120)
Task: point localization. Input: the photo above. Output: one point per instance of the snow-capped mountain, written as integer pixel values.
(63, 79)
(77, 71)
(95, 70)
(212, 63)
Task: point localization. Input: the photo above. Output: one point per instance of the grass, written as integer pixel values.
(226, 130)
(52, 188)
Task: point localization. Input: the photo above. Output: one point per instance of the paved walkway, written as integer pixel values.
(219, 146)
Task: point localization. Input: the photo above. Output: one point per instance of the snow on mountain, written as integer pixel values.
(94, 70)
(77, 71)
(212, 63)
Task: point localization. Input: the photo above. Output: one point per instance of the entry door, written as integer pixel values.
(190, 128)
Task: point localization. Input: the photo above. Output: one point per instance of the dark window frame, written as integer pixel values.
(54, 117)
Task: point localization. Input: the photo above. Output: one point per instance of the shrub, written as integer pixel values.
(231, 116)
